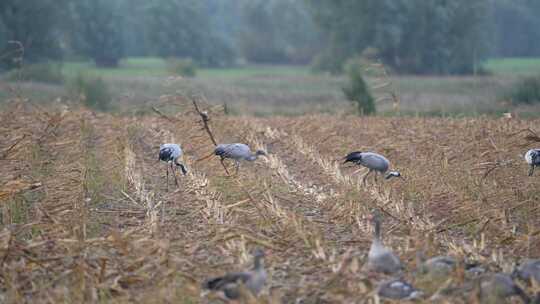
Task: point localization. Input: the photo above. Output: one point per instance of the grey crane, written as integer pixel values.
(533, 159)
(474, 269)
(398, 289)
(495, 288)
(438, 266)
(237, 152)
(171, 153)
(528, 270)
(374, 162)
(381, 258)
(254, 279)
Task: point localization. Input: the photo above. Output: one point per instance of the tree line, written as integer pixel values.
(410, 36)
(427, 37)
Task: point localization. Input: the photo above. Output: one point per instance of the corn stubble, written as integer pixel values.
(85, 215)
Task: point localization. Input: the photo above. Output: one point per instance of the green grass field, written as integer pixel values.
(152, 66)
(293, 90)
(514, 66)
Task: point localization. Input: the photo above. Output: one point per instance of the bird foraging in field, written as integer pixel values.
(253, 280)
(398, 289)
(533, 159)
(237, 152)
(529, 270)
(381, 258)
(438, 266)
(374, 162)
(497, 287)
(171, 153)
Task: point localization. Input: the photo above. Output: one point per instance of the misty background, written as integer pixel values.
(307, 44)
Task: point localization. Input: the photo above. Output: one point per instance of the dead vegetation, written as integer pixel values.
(85, 216)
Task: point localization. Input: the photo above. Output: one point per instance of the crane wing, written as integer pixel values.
(232, 150)
(219, 283)
(375, 162)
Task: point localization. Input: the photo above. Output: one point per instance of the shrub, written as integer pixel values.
(357, 90)
(93, 92)
(39, 72)
(526, 91)
(182, 67)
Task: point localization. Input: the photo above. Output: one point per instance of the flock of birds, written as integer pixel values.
(492, 287)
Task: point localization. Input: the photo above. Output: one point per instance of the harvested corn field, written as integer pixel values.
(86, 215)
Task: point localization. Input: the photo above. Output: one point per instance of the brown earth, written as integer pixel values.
(86, 215)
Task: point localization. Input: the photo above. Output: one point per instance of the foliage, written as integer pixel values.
(36, 25)
(179, 28)
(516, 25)
(416, 36)
(526, 91)
(92, 91)
(182, 67)
(38, 72)
(97, 30)
(357, 90)
(277, 31)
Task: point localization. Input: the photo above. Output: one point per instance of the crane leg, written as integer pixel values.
(167, 168)
(531, 170)
(237, 163)
(224, 166)
(366, 176)
(173, 169)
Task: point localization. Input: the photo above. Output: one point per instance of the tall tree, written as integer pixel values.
(414, 36)
(97, 30)
(516, 28)
(36, 25)
(259, 37)
(277, 31)
(180, 28)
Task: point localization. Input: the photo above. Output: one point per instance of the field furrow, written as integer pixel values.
(85, 200)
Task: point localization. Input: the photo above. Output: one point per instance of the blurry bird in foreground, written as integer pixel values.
(381, 258)
(231, 283)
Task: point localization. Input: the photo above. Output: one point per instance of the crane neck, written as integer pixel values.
(258, 263)
(377, 231)
(252, 157)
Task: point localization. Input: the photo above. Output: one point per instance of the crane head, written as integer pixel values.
(183, 168)
(258, 252)
(353, 157)
(393, 174)
(261, 152)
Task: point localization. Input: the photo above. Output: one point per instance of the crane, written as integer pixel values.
(171, 153)
(533, 159)
(254, 279)
(374, 162)
(381, 258)
(237, 152)
(398, 289)
(528, 270)
(495, 288)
